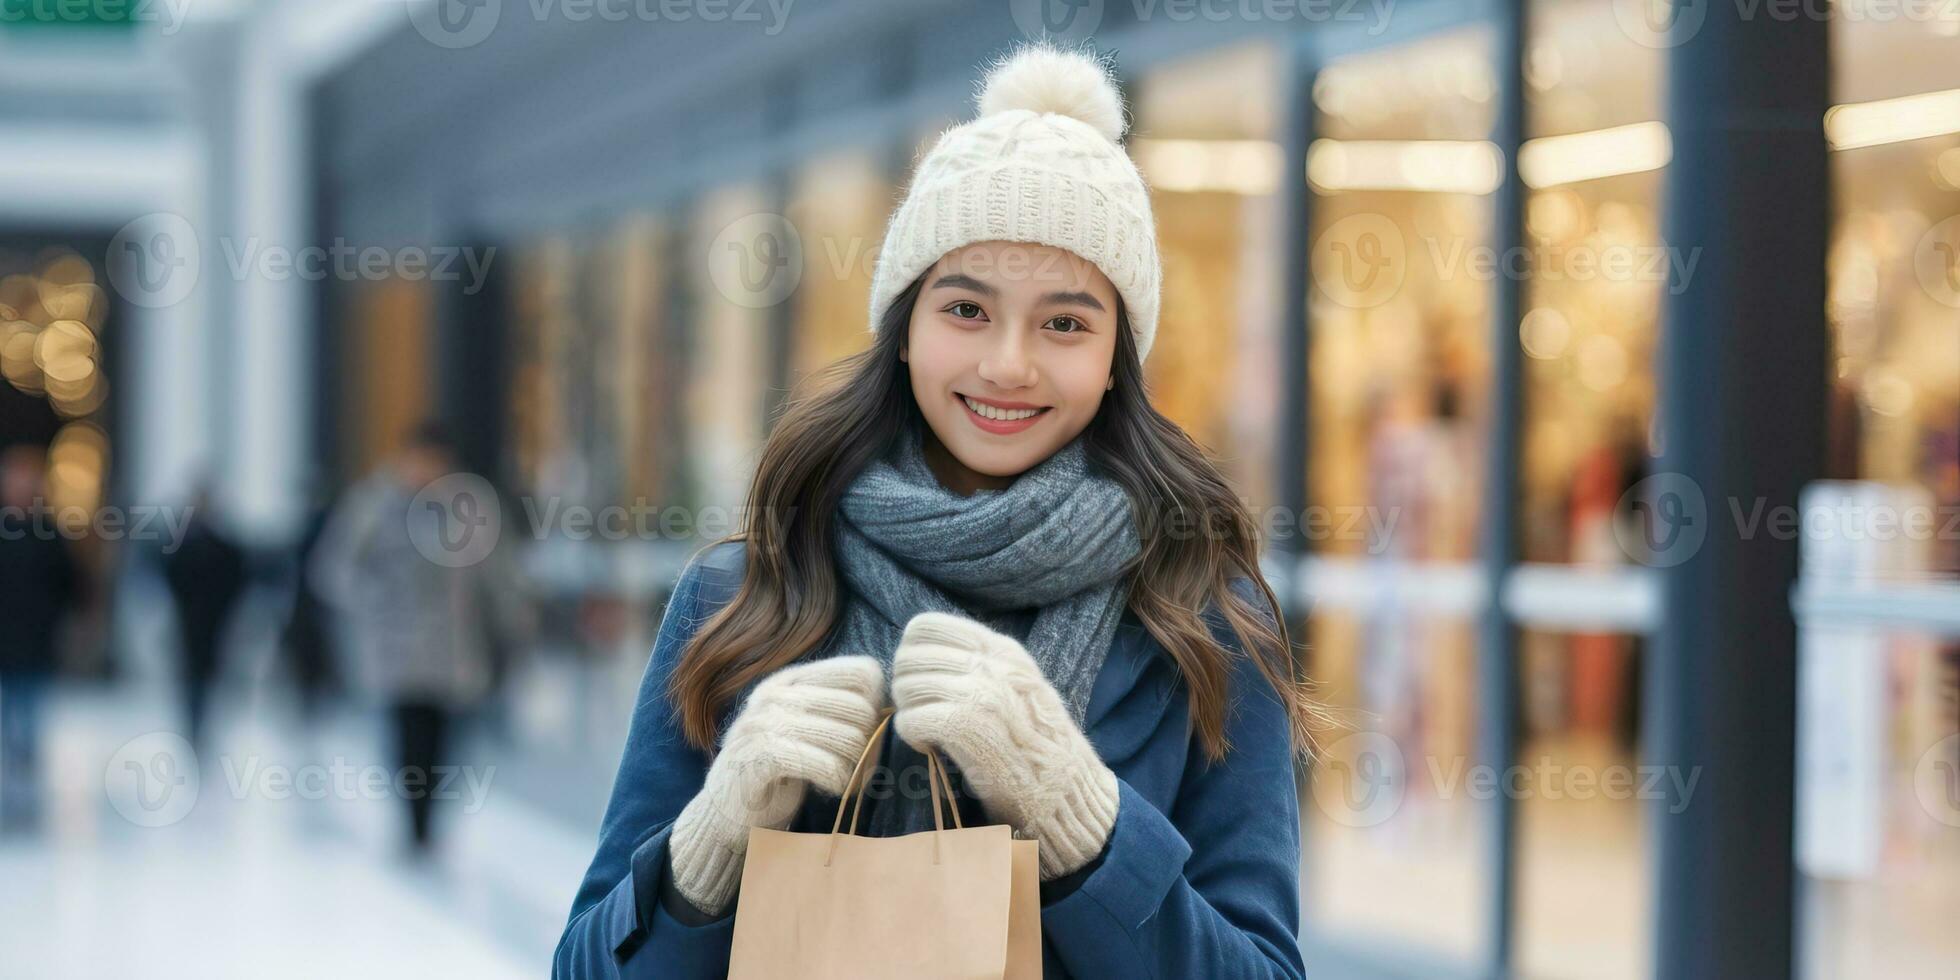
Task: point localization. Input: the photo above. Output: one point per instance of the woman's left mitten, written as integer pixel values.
(978, 696)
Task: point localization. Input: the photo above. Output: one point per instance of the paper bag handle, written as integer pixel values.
(854, 790)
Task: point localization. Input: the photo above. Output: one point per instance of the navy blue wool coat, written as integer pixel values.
(1200, 877)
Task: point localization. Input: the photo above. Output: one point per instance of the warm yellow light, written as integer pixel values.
(66, 268)
(80, 398)
(1631, 149)
(22, 295)
(1910, 117)
(1887, 393)
(1444, 166)
(65, 351)
(77, 461)
(1544, 333)
(1230, 166)
(1555, 216)
(80, 301)
(1602, 363)
(1948, 167)
(17, 361)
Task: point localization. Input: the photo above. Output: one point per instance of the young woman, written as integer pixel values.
(982, 523)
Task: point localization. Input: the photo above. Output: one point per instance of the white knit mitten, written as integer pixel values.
(978, 696)
(804, 725)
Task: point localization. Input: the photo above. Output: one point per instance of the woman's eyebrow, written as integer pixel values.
(957, 280)
(1073, 299)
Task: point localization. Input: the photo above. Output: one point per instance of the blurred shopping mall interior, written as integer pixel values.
(1468, 282)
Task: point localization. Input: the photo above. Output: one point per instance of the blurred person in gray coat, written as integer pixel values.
(423, 613)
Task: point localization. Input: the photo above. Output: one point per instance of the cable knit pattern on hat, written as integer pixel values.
(976, 695)
(1041, 164)
(804, 725)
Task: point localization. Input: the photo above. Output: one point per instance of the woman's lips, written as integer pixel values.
(998, 426)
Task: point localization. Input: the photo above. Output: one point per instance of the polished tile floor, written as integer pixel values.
(265, 877)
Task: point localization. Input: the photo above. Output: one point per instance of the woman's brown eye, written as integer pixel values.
(1074, 324)
(965, 310)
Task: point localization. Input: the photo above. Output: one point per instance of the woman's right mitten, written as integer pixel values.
(804, 725)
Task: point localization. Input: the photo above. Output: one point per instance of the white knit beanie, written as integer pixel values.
(1041, 164)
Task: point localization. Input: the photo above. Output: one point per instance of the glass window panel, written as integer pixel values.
(1894, 264)
(1878, 811)
(543, 319)
(607, 336)
(1399, 366)
(1584, 885)
(646, 377)
(838, 205)
(1393, 839)
(729, 352)
(1204, 138)
(1401, 171)
(1592, 163)
(1879, 804)
(391, 336)
(568, 390)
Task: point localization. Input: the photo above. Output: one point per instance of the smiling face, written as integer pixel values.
(1010, 350)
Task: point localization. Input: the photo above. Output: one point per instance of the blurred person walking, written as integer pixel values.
(206, 575)
(38, 584)
(305, 641)
(421, 629)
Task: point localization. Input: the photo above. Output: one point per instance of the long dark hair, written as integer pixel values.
(851, 412)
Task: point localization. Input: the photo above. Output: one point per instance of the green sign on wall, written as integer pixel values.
(72, 13)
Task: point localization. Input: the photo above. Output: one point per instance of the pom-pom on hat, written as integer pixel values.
(1041, 164)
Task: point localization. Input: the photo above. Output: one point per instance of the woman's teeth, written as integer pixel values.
(1000, 414)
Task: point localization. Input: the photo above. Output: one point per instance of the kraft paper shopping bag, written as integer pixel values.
(952, 902)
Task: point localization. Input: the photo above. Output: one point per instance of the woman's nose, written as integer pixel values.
(1007, 363)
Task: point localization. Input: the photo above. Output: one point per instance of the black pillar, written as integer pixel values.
(471, 356)
(1743, 382)
(1295, 432)
(1497, 648)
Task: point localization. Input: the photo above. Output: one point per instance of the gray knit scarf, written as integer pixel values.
(1058, 542)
